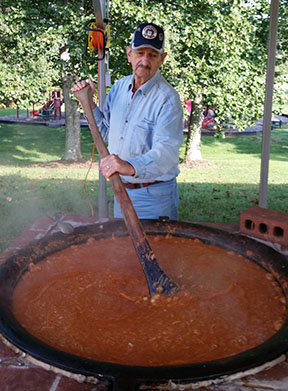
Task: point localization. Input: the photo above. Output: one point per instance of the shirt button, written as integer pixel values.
(121, 138)
(126, 120)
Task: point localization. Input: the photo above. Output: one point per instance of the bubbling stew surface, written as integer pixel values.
(92, 300)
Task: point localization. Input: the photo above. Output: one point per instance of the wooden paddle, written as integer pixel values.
(157, 279)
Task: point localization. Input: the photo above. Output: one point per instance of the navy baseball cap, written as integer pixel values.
(148, 35)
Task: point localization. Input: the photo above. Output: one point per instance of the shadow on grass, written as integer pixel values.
(23, 201)
(253, 144)
(223, 203)
(25, 144)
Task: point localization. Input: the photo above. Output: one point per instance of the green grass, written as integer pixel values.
(220, 193)
(11, 111)
(227, 183)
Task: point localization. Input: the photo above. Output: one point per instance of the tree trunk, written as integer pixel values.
(72, 121)
(193, 144)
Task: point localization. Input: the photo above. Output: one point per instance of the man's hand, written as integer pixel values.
(82, 84)
(112, 163)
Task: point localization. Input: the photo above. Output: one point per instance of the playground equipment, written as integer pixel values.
(208, 117)
(208, 113)
(53, 106)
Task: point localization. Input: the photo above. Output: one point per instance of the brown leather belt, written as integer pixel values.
(139, 185)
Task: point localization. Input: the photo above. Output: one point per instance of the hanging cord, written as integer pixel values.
(98, 39)
(85, 180)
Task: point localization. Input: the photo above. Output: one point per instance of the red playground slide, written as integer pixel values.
(52, 106)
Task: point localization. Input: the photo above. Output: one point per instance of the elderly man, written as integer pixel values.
(142, 121)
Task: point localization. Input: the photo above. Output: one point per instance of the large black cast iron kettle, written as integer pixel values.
(126, 377)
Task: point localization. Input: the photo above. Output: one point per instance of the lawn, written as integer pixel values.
(11, 111)
(219, 193)
(33, 181)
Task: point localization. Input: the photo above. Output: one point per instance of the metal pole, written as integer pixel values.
(102, 197)
(100, 12)
(263, 196)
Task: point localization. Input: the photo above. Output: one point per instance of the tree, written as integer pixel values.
(223, 64)
(281, 72)
(43, 43)
(216, 53)
(26, 69)
(214, 57)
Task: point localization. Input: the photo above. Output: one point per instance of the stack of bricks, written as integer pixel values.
(265, 224)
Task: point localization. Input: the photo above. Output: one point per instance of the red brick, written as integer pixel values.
(265, 224)
(277, 373)
(42, 224)
(72, 385)
(23, 379)
(6, 353)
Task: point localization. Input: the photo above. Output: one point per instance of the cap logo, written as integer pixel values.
(149, 32)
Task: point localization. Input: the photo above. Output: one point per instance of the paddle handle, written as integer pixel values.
(127, 209)
(157, 279)
(132, 222)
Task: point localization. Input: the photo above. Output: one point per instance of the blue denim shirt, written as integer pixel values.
(146, 130)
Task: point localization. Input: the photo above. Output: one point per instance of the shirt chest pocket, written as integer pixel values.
(142, 137)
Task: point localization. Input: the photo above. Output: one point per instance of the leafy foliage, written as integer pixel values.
(213, 51)
(39, 41)
(216, 49)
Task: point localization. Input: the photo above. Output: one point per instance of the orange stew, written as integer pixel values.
(92, 300)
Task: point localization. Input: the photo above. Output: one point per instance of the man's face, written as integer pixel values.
(145, 62)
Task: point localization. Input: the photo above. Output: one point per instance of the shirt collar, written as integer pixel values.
(148, 85)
